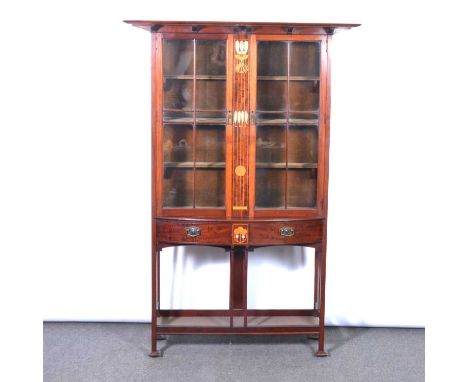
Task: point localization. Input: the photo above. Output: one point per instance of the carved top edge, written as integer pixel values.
(235, 27)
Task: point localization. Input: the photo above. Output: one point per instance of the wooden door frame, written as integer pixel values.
(157, 127)
(324, 127)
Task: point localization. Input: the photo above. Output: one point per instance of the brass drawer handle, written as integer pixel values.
(193, 231)
(287, 231)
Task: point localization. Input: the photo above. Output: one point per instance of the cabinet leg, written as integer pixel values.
(316, 277)
(154, 341)
(321, 337)
(154, 299)
(321, 353)
(316, 336)
(238, 284)
(321, 254)
(154, 351)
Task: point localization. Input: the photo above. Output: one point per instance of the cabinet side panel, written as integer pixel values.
(324, 129)
(323, 190)
(156, 121)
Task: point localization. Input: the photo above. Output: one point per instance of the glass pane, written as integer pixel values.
(210, 166)
(304, 95)
(302, 144)
(178, 143)
(272, 71)
(210, 145)
(211, 57)
(269, 188)
(184, 180)
(178, 94)
(177, 57)
(272, 58)
(210, 186)
(305, 59)
(288, 98)
(271, 95)
(302, 188)
(270, 144)
(177, 187)
(211, 94)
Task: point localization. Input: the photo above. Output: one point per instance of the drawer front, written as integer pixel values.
(285, 233)
(194, 232)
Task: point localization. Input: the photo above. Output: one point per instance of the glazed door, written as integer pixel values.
(193, 127)
(290, 87)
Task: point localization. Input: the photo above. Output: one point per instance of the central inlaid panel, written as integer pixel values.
(241, 128)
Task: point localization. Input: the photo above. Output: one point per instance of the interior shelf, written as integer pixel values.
(199, 120)
(166, 109)
(291, 78)
(198, 77)
(188, 164)
(316, 112)
(222, 121)
(290, 121)
(197, 164)
(283, 165)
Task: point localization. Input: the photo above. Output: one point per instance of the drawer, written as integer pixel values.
(288, 232)
(193, 232)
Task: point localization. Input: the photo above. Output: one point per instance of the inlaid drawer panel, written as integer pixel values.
(285, 232)
(194, 232)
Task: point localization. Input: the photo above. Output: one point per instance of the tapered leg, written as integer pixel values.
(160, 337)
(321, 253)
(316, 286)
(316, 275)
(232, 283)
(244, 283)
(154, 302)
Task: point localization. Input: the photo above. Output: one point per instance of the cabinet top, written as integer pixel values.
(237, 26)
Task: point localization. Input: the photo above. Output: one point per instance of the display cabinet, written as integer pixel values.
(240, 138)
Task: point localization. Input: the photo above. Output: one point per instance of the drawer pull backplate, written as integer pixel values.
(287, 231)
(193, 231)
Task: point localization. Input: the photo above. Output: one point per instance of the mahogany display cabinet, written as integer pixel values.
(240, 141)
